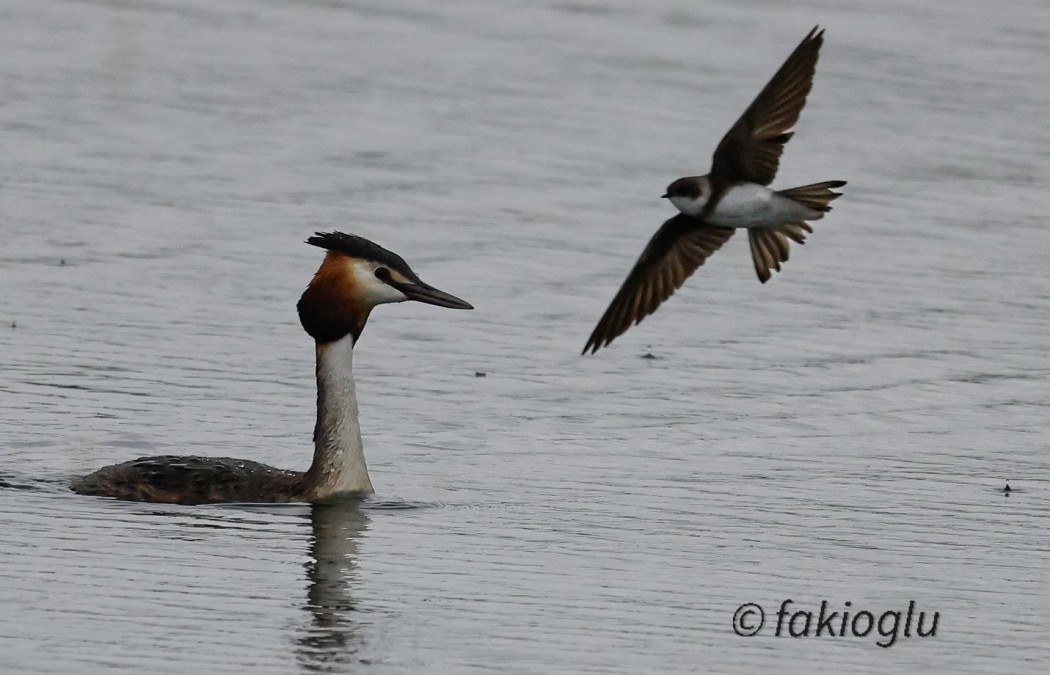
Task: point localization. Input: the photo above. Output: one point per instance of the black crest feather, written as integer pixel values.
(363, 249)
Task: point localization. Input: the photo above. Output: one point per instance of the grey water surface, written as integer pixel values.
(842, 433)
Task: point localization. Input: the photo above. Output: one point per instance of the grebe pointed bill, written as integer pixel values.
(355, 276)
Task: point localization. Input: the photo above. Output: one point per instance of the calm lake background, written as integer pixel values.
(842, 433)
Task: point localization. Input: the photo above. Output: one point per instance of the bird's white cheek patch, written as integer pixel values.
(372, 290)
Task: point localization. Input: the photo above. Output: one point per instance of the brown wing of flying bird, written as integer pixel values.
(681, 245)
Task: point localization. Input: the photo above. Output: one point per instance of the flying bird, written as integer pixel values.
(733, 195)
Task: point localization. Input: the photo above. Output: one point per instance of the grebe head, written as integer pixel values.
(689, 194)
(357, 275)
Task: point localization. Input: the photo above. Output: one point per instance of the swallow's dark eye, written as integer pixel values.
(382, 273)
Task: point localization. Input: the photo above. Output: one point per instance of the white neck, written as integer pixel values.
(339, 456)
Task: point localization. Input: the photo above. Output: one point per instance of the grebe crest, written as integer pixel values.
(355, 276)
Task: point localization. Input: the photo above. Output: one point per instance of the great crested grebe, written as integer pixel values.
(732, 196)
(356, 275)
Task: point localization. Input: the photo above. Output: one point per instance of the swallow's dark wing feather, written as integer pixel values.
(681, 245)
(751, 150)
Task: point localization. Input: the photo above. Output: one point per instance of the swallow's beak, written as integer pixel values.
(665, 196)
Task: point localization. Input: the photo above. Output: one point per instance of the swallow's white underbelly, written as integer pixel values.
(753, 205)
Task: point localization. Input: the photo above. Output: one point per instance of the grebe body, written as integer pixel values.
(356, 275)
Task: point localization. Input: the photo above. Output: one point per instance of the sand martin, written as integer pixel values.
(733, 195)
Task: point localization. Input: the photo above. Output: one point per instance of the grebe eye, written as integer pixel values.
(382, 273)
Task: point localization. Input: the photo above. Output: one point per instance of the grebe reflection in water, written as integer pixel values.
(329, 641)
(355, 276)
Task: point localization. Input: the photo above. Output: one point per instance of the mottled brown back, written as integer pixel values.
(173, 479)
